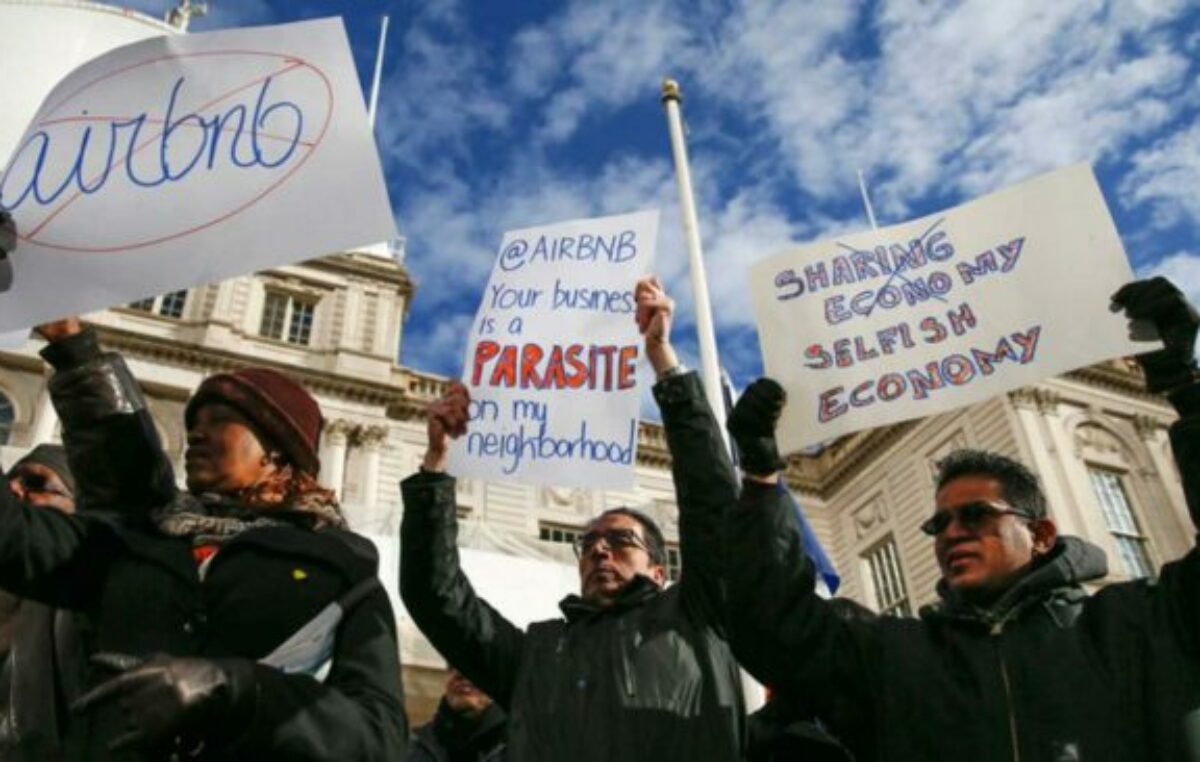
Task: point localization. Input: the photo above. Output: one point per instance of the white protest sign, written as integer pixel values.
(923, 317)
(186, 159)
(551, 361)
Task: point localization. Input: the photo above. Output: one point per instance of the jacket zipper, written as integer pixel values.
(997, 631)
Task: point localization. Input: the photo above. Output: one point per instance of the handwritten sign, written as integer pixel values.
(182, 160)
(551, 362)
(943, 311)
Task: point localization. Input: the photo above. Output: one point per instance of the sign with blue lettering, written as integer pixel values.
(185, 159)
(922, 317)
(552, 359)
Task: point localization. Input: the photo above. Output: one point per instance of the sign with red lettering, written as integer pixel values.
(552, 360)
(185, 159)
(950, 309)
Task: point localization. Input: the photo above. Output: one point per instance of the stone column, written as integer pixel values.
(333, 454)
(45, 420)
(371, 439)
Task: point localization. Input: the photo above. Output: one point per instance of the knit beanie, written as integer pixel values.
(273, 402)
(53, 457)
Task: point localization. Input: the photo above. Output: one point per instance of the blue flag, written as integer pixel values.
(812, 546)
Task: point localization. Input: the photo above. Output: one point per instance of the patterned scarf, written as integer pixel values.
(286, 498)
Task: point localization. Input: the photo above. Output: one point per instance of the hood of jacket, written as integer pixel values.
(1059, 574)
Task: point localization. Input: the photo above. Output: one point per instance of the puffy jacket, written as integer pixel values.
(143, 592)
(648, 678)
(1047, 673)
(450, 737)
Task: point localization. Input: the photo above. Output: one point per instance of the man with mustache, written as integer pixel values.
(1016, 661)
(632, 671)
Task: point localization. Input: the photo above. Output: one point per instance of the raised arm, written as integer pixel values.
(705, 483)
(469, 633)
(112, 445)
(781, 630)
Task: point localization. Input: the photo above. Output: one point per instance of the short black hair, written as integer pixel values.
(1018, 484)
(656, 543)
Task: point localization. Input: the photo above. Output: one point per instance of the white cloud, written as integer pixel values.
(1166, 175)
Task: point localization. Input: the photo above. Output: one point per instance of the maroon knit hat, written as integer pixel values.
(277, 405)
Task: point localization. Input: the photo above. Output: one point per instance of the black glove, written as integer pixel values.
(187, 703)
(752, 426)
(8, 233)
(1160, 302)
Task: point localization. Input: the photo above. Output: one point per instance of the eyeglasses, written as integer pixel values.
(971, 516)
(616, 539)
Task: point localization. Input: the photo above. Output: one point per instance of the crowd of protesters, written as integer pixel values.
(240, 618)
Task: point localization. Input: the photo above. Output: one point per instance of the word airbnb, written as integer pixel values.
(576, 366)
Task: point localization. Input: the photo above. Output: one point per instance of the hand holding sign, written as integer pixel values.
(654, 312)
(447, 420)
(1159, 302)
(8, 242)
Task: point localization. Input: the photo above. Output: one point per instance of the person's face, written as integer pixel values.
(984, 559)
(224, 454)
(606, 566)
(40, 485)
(463, 697)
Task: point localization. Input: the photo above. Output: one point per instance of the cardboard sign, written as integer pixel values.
(183, 160)
(950, 309)
(551, 362)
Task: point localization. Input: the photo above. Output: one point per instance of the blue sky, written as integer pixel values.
(499, 115)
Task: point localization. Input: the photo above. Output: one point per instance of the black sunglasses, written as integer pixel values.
(616, 539)
(971, 516)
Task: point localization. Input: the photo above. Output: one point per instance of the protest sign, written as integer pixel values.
(551, 361)
(186, 159)
(919, 318)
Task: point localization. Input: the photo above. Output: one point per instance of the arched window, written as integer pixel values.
(8, 415)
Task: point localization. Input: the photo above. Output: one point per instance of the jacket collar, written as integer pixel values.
(1059, 574)
(455, 731)
(639, 590)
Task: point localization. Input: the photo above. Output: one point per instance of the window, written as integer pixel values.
(287, 317)
(168, 305)
(558, 533)
(886, 578)
(674, 562)
(7, 416)
(1122, 524)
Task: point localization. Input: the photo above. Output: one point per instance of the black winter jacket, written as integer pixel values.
(1045, 674)
(648, 678)
(143, 592)
(450, 737)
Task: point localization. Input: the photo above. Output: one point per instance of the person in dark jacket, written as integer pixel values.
(632, 671)
(468, 727)
(1015, 661)
(44, 648)
(193, 593)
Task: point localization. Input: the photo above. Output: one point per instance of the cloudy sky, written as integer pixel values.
(500, 115)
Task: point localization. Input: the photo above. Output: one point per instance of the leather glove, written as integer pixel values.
(8, 233)
(190, 703)
(1158, 301)
(752, 426)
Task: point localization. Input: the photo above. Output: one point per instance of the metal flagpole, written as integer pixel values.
(378, 74)
(710, 371)
(866, 198)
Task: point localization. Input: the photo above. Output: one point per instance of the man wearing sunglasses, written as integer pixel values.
(632, 671)
(1016, 661)
(41, 648)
